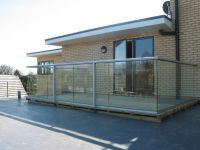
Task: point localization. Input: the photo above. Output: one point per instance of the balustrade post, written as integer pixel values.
(54, 84)
(94, 83)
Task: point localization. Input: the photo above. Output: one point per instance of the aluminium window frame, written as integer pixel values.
(44, 70)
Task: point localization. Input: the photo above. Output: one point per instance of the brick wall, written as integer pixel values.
(190, 36)
(55, 58)
(189, 29)
(164, 47)
(189, 40)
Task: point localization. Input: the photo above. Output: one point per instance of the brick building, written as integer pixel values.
(153, 59)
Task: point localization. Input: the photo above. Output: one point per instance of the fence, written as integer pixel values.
(139, 85)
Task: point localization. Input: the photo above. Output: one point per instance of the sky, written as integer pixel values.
(25, 24)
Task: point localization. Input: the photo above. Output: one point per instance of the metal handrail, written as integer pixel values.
(113, 61)
(175, 61)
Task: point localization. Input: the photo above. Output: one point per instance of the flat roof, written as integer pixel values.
(43, 53)
(137, 26)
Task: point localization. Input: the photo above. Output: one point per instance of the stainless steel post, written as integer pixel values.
(54, 84)
(94, 84)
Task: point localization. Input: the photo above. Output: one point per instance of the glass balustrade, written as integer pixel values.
(143, 85)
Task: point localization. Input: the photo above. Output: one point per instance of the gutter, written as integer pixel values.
(177, 39)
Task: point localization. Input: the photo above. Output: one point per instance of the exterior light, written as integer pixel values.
(103, 49)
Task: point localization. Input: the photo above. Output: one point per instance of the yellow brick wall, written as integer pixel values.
(190, 36)
(55, 58)
(189, 20)
(164, 47)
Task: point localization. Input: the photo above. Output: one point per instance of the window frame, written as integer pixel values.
(133, 40)
(44, 70)
(141, 38)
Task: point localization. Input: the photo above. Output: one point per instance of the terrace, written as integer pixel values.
(145, 86)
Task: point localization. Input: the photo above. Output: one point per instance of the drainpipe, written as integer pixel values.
(177, 37)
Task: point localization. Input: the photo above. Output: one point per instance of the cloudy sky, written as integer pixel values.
(24, 24)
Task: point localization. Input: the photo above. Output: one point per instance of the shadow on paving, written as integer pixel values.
(182, 131)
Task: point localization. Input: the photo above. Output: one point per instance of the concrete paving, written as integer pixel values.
(26, 126)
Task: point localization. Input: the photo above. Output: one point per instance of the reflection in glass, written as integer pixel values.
(134, 77)
(120, 50)
(144, 47)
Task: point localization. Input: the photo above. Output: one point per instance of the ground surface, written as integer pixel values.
(25, 126)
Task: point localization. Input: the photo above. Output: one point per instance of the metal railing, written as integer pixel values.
(140, 85)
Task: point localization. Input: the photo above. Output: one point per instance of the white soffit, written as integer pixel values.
(43, 53)
(138, 26)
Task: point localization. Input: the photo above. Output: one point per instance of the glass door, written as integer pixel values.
(120, 67)
(130, 65)
(135, 77)
(143, 77)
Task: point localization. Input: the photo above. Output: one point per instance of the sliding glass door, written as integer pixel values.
(144, 69)
(135, 77)
(120, 67)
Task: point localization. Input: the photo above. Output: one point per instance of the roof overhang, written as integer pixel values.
(44, 53)
(152, 24)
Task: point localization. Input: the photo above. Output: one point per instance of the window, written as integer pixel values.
(45, 70)
(133, 48)
(144, 47)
